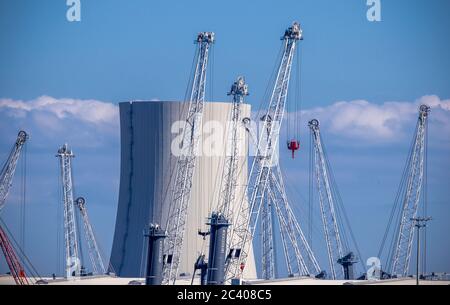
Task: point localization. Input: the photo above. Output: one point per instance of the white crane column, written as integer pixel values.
(73, 262)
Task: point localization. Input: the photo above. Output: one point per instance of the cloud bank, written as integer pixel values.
(92, 122)
(88, 123)
(365, 121)
(90, 111)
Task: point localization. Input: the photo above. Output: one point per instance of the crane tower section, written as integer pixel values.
(181, 192)
(410, 202)
(73, 263)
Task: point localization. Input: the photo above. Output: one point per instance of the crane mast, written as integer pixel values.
(266, 187)
(73, 263)
(97, 263)
(327, 206)
(415, 175)
(181, 193)
(6, 177)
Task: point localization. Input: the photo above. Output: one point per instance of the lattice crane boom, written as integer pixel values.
(267, 247)
(335, 248)
(9, 168)
(73, 262)
(6, 177)
(214, 270)
(16, 268)
(263, 193)
(96, 258)
(414, 184)
(181, 193)
(238, 90)
(302, 257)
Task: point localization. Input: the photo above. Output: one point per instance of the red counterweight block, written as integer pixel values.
(293, 145)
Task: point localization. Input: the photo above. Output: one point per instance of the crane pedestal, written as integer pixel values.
(203, 266)
(217, 248)
(347, 263)
(155, 260)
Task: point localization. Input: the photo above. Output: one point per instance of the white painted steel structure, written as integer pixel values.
(266, 189)
(9, 167)
(181, 193)
(98, 265)
(335, 249)
(414, 185)
(72, 254)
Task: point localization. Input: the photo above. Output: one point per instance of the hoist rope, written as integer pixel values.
(183, 112)
(298, 93)
(77, 215)
(397, 207)
(345, 225)
(144, 253)
(59, 226)
(425, 201)
(23, 197)
(310, 189)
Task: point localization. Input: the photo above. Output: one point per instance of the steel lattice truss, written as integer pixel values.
(6, 176)
(9, 168)
(404, 239)
(185, 166)
(73, 263)
(98, 266)
(300, 259)
(268, 253)
(15, 267)
(327, 206)
(231, 166)
(266, 188)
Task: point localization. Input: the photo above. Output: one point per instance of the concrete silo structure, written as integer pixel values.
(148, 132)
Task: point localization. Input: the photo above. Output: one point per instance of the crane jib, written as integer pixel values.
(6, 177)
(266, 187)
(185, 166)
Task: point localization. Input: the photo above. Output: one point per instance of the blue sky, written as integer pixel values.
(123, 50)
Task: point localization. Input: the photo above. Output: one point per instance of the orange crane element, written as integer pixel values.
(16, 268)
(6, 176)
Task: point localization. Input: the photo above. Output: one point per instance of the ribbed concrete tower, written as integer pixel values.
(148, 133)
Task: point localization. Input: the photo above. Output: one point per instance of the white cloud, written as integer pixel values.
(358, 120)
(90, 111)
(51, 121)
(362, 120)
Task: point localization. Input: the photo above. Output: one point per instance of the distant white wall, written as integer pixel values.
(147, 171)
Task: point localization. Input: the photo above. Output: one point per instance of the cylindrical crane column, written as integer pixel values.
(203, 266)
(217, 249)
(155, 259)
